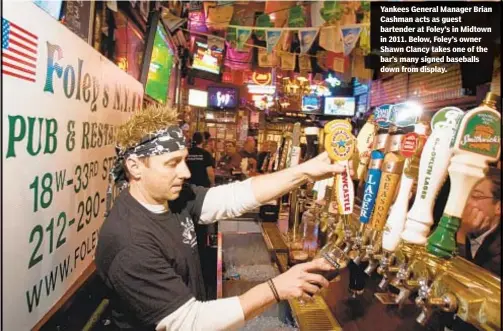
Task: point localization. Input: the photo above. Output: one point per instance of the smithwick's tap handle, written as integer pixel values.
(432, 174)
(478, 142)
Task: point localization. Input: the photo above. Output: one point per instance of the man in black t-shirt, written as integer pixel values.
(201, 164)
(147, 248)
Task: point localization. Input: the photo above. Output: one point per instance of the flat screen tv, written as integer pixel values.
(52, 7)
(311, 104)
(222, 98)
(206, 59)
(339, 106)
(161, 65)
(129, 45)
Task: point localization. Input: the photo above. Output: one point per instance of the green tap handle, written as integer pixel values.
(442, 242)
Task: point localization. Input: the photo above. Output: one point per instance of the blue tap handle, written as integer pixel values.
(371, 186)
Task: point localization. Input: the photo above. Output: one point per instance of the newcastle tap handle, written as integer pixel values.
(340, 145)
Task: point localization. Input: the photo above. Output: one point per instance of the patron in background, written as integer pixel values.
(246, 159)
(225, 161)
(479, 236)
(200, 163)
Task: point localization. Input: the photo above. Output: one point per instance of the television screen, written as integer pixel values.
(222, 98)
(198, 98)
(129, 45)
(311, 104)
(52, 7)
(161, 64)
(209, 60)
(339, 106)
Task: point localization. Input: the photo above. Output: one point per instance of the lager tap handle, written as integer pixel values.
(371, 186)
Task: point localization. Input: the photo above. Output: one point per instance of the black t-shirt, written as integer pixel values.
(245, 154)
(197, 161)
(150, 262)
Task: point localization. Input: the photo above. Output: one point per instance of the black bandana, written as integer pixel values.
(162, 141)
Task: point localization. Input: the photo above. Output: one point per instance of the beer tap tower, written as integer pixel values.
(403, 116)
(429, 266)
(411, 148)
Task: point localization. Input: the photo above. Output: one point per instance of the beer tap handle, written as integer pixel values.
(364, 143)
(477, 143)
(432, 173)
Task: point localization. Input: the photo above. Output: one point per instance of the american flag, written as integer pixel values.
(19, 52)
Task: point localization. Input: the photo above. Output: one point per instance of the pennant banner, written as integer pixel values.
(237, 60)
(285, 41)
(320, 59)
(263, 21)
(215, 42)
(350, 37)
(296, 17)
(365, 40)
(331, 11)
(307, 37)
(242, 36)
(272, 38)
(171, 21)
(287, 61)
(265, 59)
(331, 39)
(305, 63)
(219, 17)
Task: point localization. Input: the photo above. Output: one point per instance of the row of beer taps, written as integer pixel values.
(400, 157)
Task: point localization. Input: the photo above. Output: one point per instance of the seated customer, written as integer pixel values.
(479, 236)
(225, 161)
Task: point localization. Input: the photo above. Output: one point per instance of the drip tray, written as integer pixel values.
(246, 263)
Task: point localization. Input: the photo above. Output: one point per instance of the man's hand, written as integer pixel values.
(474, 222)
(298, 282)
(321, 167)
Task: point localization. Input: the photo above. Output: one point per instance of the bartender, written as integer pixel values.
(147, 248)
(479, 236)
